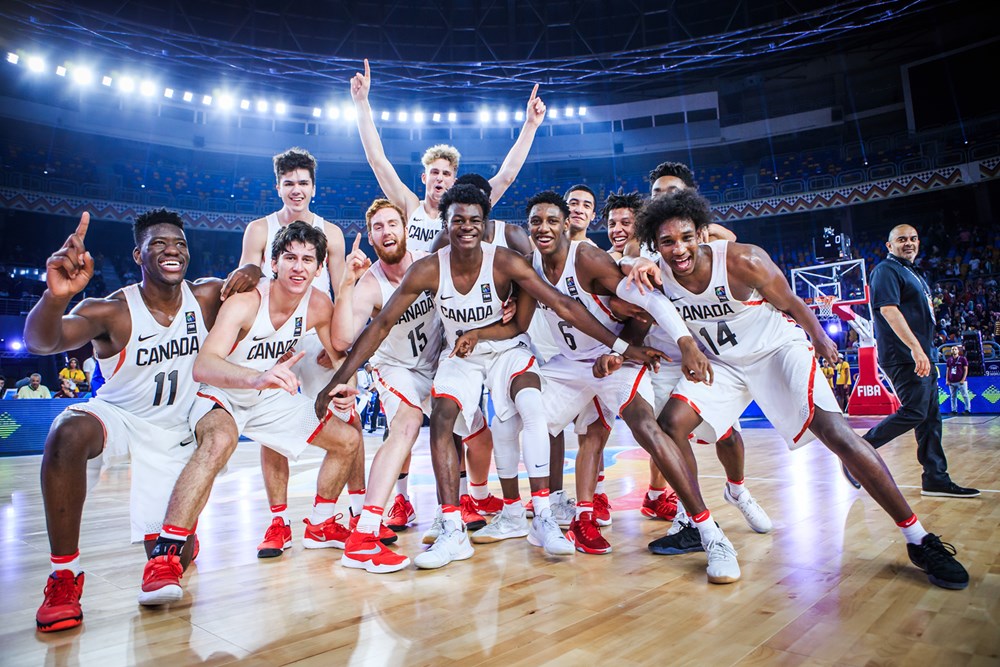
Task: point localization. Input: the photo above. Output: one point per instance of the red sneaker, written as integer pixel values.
(400, 514)
(488, 505)
(196, 550)
(385, 535)
(277, 538)
(60, 609)
(602, 509)
(326, 535)
(585, 534)
(529, 509)
(365, 551)
(663, 507)
(161, 581)
(473, 520)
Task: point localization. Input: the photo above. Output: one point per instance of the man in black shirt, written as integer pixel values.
(904, 329)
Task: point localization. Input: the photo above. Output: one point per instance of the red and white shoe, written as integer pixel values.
(326, 535)
(602, 509)
(529, 509)
(586, 536)
(161, 581)
(61, 609)
(473, 520)
(662, 507)
(277, 538)
(364, 551)
(487, 506)
(196, 550)
(385, 535)
(401, 514)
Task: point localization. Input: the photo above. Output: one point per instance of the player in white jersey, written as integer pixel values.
(246, 389)
(738, 304)
(440, 165)
(469, 280)
(146, 337)
(295, 182)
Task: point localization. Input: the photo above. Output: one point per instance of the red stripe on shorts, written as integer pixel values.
(393, 390)
(635, 388)
(682, 397)
(812, 406)
(435, 394)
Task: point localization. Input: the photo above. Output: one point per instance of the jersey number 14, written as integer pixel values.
(723, 336)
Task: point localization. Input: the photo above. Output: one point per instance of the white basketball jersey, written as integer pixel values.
(500, 234)
(320, 282)
(151, 376)
(480, 307)
(422, 229)
(573, 343)
(415, 340)
(726, 328)
(263, 345)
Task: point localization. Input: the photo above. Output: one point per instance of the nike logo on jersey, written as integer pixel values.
(257, 338)
(451, 296)
(144, 338)
(672, 299)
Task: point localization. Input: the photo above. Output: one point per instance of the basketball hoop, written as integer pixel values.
(824, 305)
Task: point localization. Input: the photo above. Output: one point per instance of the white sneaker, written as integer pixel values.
(431, 534)
(451, 544)
(753, 513)
(545, 533)
(722, 565)
(511, 522)
(563, 508)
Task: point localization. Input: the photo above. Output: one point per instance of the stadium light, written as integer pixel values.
(188, 96)
(436, 117)
(207, 100)
(280, 108)
(36, 64)
(582, 111)
(13, 58)
(16, 344)
(385, 115)
(317, 112)
(333, 112)
(350, 113)
(83, 76)
(553, 113)
(502, 116)
(226, 102)
(168, 93)
(126, 84)
(452, 116)
(569, 112)
(261, 106)
(519, 115)
(402, 116)
(106, 81)
(60, 71)
(484, 116)
(418, 116)
(147, 88)
(245, 104)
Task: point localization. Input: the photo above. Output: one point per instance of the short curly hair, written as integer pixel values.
(616, 200)
(160, 216)
(678, 169)
(292, 159)
(463, 194)
(686, 205)
(547, 197)
(441, 152)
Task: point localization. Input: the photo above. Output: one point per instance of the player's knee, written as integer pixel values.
(215, 447)
(73, 438)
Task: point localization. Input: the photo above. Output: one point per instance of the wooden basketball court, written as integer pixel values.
(831, 585)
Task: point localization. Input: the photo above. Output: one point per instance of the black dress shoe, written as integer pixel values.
(949, 490)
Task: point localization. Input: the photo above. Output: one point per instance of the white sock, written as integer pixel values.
(682, 514)
(479, 491)
(371, 519)
(600, 484)
(706, 527)
(403, 484)
(583, 506)
(357, 498)
(913, 532)
(323, 509)
(452, 516)
(463, 484)
(73, 564)
(653, 494)
(735, 488)
(540, 501)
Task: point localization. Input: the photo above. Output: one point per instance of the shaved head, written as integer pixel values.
(904, 242)
(905, 230)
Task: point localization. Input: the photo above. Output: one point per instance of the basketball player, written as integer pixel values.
(739, 304)
(247, 390)
(146, 336)
(295, 181)
(440, 165)
(469, 280)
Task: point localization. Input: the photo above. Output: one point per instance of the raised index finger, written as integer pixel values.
(357, 242)
(81, 229)
(534, 93)
(368, 70)
(294, 360)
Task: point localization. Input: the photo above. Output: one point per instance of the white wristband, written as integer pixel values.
(620, 346)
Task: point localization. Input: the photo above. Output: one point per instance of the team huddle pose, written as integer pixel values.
(675, 331)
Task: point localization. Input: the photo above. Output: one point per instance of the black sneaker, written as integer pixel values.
(937, 559)
(684, 541)
(849, 477)
(949, 490)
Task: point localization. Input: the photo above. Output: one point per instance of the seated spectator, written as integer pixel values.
(34, 389)
(73, 373)
(66, 389)
(3, 386)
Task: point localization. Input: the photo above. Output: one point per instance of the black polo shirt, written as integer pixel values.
(896, 282)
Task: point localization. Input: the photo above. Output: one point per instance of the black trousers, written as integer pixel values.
(921, 412)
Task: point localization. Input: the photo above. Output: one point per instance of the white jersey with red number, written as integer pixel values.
(573, 343)
(422, 229)
(414, 342)
(151, 377)
(263, 345)
(320, 282)
(735, 331)
(480, 307)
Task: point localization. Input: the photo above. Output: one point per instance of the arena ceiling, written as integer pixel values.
(599, 51)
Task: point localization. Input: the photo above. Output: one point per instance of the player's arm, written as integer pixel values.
(898, 324)
(515, 267)
(335, 260)
(321, 312)
(533, 117)
(753, 266)
(249, 273)
(357, 296)
(518, 239)
(393, 187)
(502, 330)
(208, 292)
(716, 232)
(440, 241)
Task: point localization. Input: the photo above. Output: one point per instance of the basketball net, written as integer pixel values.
(824, 305)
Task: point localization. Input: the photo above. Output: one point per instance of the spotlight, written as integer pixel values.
(261, 106)
(168, 93)
(553, 113)
(582, 111)
(385, 115)
(333, 112)
(402, 116)
(83, 76)
(245, 104)
(350, 113)
(36, 64)
(188, 96)
(452, 116)
(569, 112)
(436, 117)
(147, 88)
(518, 115)
(16, 345)
(106, 81)
(418, 116)
(502, 116)
(60, 71)
(207, 100)
(13, 58)
(226, 102)
(833, 327)
(126, 84)
(484, 116)
(280, 108)
(317, 112)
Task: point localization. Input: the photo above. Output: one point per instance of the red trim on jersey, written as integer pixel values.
(475, 435)
(121, 360)
(682, 397)
(607, 311)
(322, 423)
(635, 389)
(435, 394)
(758, 302)
(211, 398)
(523, 370)
(396, 393)
(812, 406)
(233, 348)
